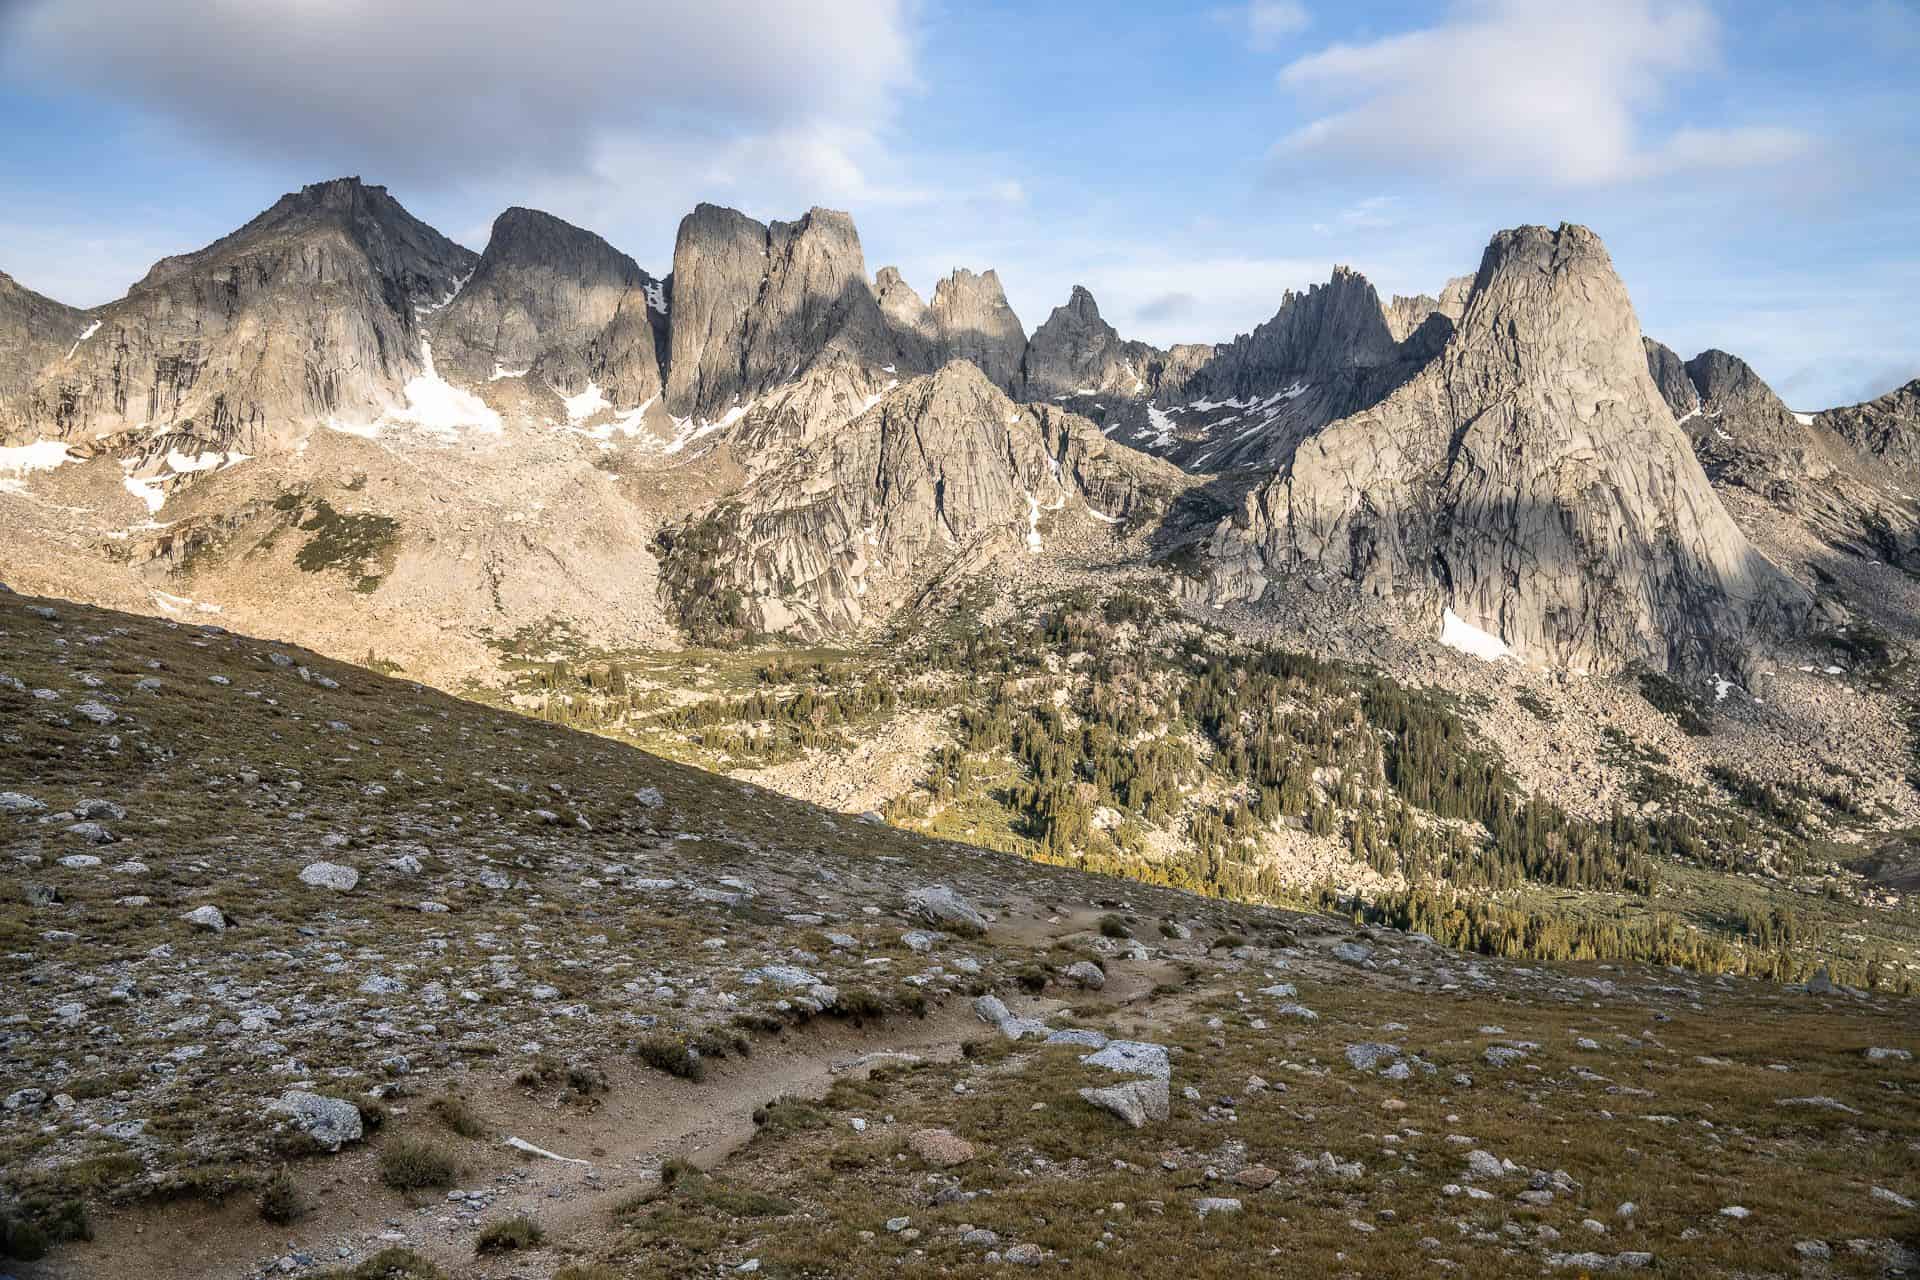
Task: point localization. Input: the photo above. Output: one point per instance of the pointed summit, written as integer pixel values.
(559, 305)
(1531, 480)
(1076, 352)
(308, 312)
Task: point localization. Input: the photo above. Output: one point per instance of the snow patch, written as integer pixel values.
(187, 463)
(499, 373)
(434, 405)
(85, 333)
(688, 430)
(1804, 419)
(148, 490)
(656, 296)
(1457, 633)
(41, 455)
(1162, 425)
(1033, 524)
(1102, 516)
(586, 404)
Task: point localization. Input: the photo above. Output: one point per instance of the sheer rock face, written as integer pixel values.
(755, 304)
(1327, 353)
(305, 313)
(970, 319)
(1669, 374)
(941, 467)
(561, 306)
(1076, 352)
(1453, 298)
(904, 310)
(1746, 438)
(35, 331)
(1887, 429)
(1405, 314)
(1531, 479)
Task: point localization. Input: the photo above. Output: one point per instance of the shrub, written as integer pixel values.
(415, 1164)
(1114, 926)
(673, 1056)
(280, 1200)
(457, 1115)
(390, 1264)
(28, 1230)
(858, 1004)
(508, 1234)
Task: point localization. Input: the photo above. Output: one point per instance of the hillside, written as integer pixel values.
(675, 1022)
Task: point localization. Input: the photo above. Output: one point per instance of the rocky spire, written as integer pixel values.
(755, 304)
(1531, 480)
(1076, 351)
(970, 319)
(559, 305)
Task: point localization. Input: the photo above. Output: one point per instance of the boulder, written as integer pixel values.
(940, 906)
(329, 875)
(941, 1147)
(1137, 1102)
(330, 1122)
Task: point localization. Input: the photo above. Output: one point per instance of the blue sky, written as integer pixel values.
(1753, 167)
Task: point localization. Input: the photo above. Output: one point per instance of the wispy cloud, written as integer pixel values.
(1532, 90)
(1269, 21)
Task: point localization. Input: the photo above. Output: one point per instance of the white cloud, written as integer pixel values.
(424, 89)
(1270, 20)
(1526, 89)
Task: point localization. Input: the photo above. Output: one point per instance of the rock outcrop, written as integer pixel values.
(755, 304)
(35, 331)
(1077, 353)
(970, 319)
(1747, 439)
(941, 466)
(561, 307)
(1327, 353)
(1530, 480)
(307, 312)
(1887, 428)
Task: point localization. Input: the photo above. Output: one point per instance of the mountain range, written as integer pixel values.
(751, 768)
(338, 423)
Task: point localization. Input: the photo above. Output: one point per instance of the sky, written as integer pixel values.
(1753, 166)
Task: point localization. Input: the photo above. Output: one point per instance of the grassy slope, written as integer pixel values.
(134, 1015)
(646, 699)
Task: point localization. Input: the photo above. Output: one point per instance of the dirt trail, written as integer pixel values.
(646, 1119)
